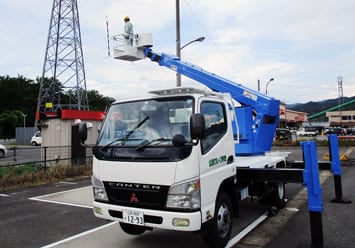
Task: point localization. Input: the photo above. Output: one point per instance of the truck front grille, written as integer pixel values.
(137, 195)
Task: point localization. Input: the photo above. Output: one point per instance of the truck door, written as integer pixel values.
(217, 149)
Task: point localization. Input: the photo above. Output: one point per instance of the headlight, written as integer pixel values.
(98, 190)
(185, 195)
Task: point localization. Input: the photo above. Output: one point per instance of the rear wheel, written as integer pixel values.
(132, 229)
(220, 228)
(2, 153)
(277, 197)
(273, 194)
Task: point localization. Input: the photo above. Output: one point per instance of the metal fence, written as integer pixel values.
(46, 156)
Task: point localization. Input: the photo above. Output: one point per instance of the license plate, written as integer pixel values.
(133, 217)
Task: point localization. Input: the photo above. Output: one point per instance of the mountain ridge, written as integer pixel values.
(312, 107)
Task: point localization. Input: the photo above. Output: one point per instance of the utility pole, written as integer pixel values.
(178, 42)
(341, 97)
(259, 85)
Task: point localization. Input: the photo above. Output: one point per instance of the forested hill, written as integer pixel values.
(316, 107)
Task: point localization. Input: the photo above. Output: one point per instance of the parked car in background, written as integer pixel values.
(350, 131)
(335, 130)
(282, 134)
(36, 139)
(307, 132)
(3, 151)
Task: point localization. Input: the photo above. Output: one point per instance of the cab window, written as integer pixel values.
(215, 119)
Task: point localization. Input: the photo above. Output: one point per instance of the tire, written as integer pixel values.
(219, 230)
(132, 229)
(275, 197)
(33, 143)
(2, 153)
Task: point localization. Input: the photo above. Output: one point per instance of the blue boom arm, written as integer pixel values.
(257, 117)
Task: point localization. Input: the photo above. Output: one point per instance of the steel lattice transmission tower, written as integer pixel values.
(340, 89)
(63, 69)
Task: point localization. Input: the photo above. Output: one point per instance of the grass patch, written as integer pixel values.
(28, 175)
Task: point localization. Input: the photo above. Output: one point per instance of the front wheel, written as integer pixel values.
(132, 229)
(220, 228)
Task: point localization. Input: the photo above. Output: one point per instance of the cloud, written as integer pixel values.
(303, 45)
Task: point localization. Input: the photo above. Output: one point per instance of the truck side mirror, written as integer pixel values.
(178, 140)
(197, 126)
(83, 132)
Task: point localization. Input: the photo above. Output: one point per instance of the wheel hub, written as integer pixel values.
(223, 220)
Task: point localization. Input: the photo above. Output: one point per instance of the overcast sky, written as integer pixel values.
(304, 45)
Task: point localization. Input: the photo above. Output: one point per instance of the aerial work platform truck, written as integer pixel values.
(171, 160)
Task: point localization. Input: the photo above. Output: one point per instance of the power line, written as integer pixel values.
(208, 34)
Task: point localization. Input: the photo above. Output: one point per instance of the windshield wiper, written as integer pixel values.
(136, 127)
(109, 144)
(127, 135)
(157, 141)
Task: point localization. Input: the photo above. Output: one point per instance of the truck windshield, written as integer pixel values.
(143, 123)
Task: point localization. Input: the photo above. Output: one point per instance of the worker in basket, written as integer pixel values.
(128, 31)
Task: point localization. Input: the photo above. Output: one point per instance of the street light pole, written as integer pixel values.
(178, 41)
(24, 126)
(178, 75)
(270, 80)
(199, 39)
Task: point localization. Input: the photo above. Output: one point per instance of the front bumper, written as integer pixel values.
(152, 218)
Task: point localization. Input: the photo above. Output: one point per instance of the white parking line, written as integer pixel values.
(4, 195)
(79, 235)
(63, 182)
(42, 198)
(246, 230)
(63, 203)
(61, 192)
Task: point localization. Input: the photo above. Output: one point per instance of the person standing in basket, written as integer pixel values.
(128, 31)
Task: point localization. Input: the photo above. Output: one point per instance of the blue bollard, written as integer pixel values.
(311, 180)
(335, 166)
(334, 154)
(311, 176)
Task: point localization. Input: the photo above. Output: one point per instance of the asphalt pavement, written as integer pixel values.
(32, 223)
(28, 223)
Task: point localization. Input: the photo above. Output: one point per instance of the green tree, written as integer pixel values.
(98, 102)
(8, 122)
(19, 97)
(19, 94)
